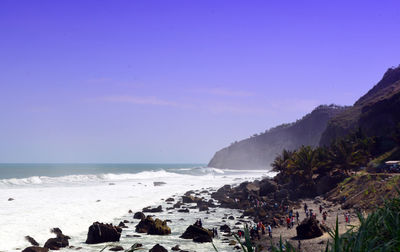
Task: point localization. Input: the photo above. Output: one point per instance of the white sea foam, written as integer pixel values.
(73, 202)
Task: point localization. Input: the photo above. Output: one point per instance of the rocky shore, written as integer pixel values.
(222, 213)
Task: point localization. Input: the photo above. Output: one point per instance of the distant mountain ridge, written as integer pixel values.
(259, 151)
(377, 113)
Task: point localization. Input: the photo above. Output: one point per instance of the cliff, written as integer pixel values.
(377, 113)
(259, 151)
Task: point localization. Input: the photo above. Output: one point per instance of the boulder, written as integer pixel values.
(116, 248)
(35, 249)
(228, 203)
(100, 232)
(60, 241)
(203, 208)
(122, 225)
(159, 183)
(139, 215)
(225, 228)
(175, 248)
(158, 248)
(153, 227)
(31, 240)
(197, 233)
(267, 186)
(177, 205)
(152, 210)
(190, 199)
(185, 210)
(280, 195)
(309, 228)
(170, 200)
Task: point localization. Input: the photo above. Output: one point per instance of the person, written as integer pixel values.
(305, 207)
(320, 208)
(200, 224)
(297, 216)
(299, 245)
(324, 215)
(269, 231)
(346, 218)
(263, 229)
(307, 213)
(292, 221)
(288, 222)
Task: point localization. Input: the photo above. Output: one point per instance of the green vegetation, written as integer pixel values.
(344, 155)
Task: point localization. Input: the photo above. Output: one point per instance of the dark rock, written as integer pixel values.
(190, 199)
(198, 234)
(203, 208)
(231, 217)
(158, 183)
(158, 248)
(116, 248)
(60, 241)
(10, 199)
(122, 225)
(309, 228)
(100, 232)
(185, 210)
(175, 248)
(130, 211)
(225, 228)
(153, 227)
(126, 221)
(139, 216)
(31, 240)
(267, 186)
(170, 200)
(177, 204)
(35, 249)
(152, 210)
(281, 195)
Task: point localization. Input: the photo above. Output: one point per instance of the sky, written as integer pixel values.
(174, 81)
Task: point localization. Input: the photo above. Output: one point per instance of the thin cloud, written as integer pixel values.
(226, 92)
(140, 100)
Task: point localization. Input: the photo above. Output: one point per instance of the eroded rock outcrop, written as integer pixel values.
(100, 232)
(197, 233)
(153, 227)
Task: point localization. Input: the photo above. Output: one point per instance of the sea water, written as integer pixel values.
(73, 196)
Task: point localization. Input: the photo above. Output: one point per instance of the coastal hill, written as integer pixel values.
(377, 113)
(259, 151)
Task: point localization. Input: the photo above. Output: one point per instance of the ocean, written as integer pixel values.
(73, 196)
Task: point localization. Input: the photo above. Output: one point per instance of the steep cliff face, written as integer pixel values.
(376, 113)
(258, 152)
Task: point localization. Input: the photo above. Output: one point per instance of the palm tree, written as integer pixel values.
(281, 162)
(304, 162)
(345, 156)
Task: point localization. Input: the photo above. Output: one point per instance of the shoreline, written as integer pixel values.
(78, 240)
(215, 217)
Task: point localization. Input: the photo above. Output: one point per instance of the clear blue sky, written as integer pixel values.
(174, 81)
